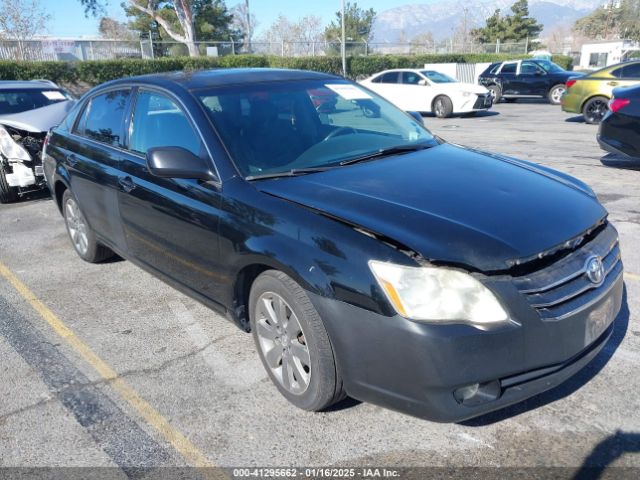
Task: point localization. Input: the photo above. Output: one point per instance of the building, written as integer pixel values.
(602, 54)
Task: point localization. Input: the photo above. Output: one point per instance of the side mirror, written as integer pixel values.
(417, 117)
(423, 82)
(177, 162)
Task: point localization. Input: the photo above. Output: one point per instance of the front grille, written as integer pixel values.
(563, 288)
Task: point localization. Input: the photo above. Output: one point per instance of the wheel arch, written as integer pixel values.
(590, 97)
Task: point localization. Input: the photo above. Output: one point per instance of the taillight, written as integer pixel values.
(571, 82)
(617, 103)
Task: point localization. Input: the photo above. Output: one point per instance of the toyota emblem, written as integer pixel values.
(595, 270)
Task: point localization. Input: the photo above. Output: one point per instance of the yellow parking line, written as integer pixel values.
(188, 450)
(632, 276)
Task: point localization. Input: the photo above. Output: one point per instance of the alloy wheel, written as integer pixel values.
(596, 111)
(76, 226)
(557, 93)
(283, 343)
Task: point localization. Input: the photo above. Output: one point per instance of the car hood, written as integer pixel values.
(40, 119)
(452, 204)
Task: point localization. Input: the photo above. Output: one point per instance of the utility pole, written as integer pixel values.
(343, 49)
(249, 32)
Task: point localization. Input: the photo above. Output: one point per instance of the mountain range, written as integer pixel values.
(442, 17)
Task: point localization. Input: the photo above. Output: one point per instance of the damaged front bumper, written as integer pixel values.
(25, 174)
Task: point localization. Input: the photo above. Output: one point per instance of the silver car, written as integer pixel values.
(28, 110)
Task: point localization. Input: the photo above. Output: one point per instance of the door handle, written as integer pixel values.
(126, 184)
(72, 160)
(613, 84)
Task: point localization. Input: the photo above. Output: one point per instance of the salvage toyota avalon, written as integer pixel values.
(368, 257)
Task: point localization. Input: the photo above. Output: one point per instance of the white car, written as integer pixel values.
(429, 91)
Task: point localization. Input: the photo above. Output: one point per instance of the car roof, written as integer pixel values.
(27, 84)
(199, 79)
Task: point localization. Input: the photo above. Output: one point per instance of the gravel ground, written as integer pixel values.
(203, 376)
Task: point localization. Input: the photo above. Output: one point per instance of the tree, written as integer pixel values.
(358, 25)
(179, 20)
(298, 37)
(510, 28)
(244, 22)
(22, 20)
(113, 29)
(612, 21)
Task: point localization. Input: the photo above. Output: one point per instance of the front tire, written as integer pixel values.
(556, 93)
(7, 194)
(82, 237)
(595, 109)
(442, 107)
(293, 343)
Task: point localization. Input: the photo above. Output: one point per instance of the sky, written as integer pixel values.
(68, 19)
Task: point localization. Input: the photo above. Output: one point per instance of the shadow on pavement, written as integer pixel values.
(606, 452)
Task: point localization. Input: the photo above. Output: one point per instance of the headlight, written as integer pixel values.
(437, 294)
(467, 94)
(10, 148)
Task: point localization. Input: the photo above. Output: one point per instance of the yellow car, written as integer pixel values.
(590, 94)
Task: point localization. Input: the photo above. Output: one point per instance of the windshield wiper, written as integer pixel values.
(387, 152)
(294, 172)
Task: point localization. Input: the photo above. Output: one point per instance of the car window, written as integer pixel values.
(631, 71)
(410, 78)
(159, 122)
(530, 68)
(17, 100)
(494, 68)
(509, 68)
(274, 127)
(102, 117)
(437, 77)
(389, 77)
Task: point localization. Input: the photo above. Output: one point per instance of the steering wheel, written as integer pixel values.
(339, 131)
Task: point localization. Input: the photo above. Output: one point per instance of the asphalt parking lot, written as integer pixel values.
(104, 365)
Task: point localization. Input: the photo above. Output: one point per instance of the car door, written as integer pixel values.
(170, 225)
(626, 76)
(386, 85)
(92, 156)
(507, 76)
(416, 92)
(531, 80)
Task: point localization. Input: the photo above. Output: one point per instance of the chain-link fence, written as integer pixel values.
(74, 50)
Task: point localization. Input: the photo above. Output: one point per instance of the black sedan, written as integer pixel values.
(620, 129)
(526, 79)
(368, 257)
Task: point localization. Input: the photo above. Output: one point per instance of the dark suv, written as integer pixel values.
(368, 257)
(526, 79)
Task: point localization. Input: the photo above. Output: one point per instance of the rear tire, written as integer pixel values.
(556, 93)
(7, 194)
(442, 106)
(82, 237)
(496, 93)
(595, 109)
(293, 343)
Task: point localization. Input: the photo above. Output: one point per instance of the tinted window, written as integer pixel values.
(410, 78)
(508, 68)
(159, 122)
(631, 71)
(389, 77)
(102, 118)
(530, 68)
(17, 100)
